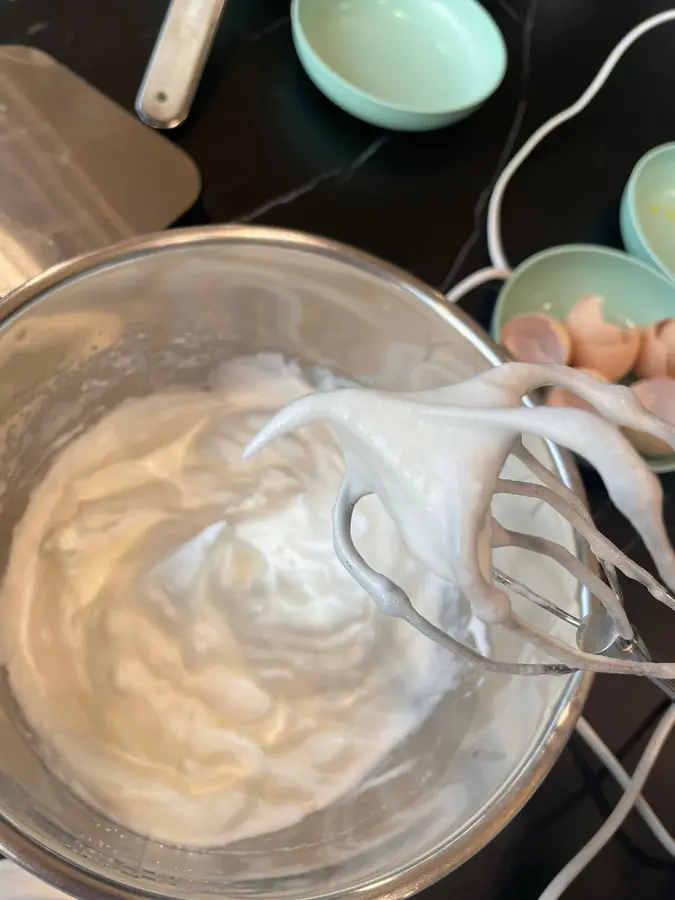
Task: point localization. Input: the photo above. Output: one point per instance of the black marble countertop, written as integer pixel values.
(272, 150)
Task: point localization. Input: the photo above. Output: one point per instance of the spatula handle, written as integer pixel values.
(177, 61)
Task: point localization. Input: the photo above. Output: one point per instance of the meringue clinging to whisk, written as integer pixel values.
(434, 459)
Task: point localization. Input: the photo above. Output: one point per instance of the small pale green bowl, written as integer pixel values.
(551, 282)
(648, 209)
(408, 65)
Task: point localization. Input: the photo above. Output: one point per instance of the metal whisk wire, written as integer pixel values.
(595, 633)
(505, 581)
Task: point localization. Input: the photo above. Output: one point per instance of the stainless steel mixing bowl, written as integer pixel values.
(164, 311)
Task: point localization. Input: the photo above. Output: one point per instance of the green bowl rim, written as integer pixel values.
(659, 464)
(561, 250)
(629, 198)
(300, 38)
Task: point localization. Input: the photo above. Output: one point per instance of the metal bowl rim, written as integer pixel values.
(74, 879)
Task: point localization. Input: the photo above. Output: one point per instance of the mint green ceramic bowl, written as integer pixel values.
(410, 65)
(648, 209)
(552, 281)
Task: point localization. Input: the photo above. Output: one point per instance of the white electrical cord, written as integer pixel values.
(494, 237)
(500, 270)
(618, 815)
(476, 279)
(602, 751)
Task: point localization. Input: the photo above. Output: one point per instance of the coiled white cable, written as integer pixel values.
(494, 236)
(602, 751)
(500, 270)
(618, 815)
(476, 279)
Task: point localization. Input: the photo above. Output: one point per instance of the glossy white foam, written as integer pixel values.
(180, 635)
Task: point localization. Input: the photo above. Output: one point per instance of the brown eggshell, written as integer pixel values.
(658, 396)
(657, 352)
(561, 397)
(598, 344)
(536, 338)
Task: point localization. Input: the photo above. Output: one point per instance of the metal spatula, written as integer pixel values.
(77, 171)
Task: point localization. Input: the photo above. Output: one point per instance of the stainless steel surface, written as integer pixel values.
(598, 635)
(542, 602)
(81, 337)
(177, 61)
(638, 651)
(77, 172)
(596, 632)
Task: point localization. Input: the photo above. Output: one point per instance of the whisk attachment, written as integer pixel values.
(435, 458)
(392, 600)
(505, 581)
